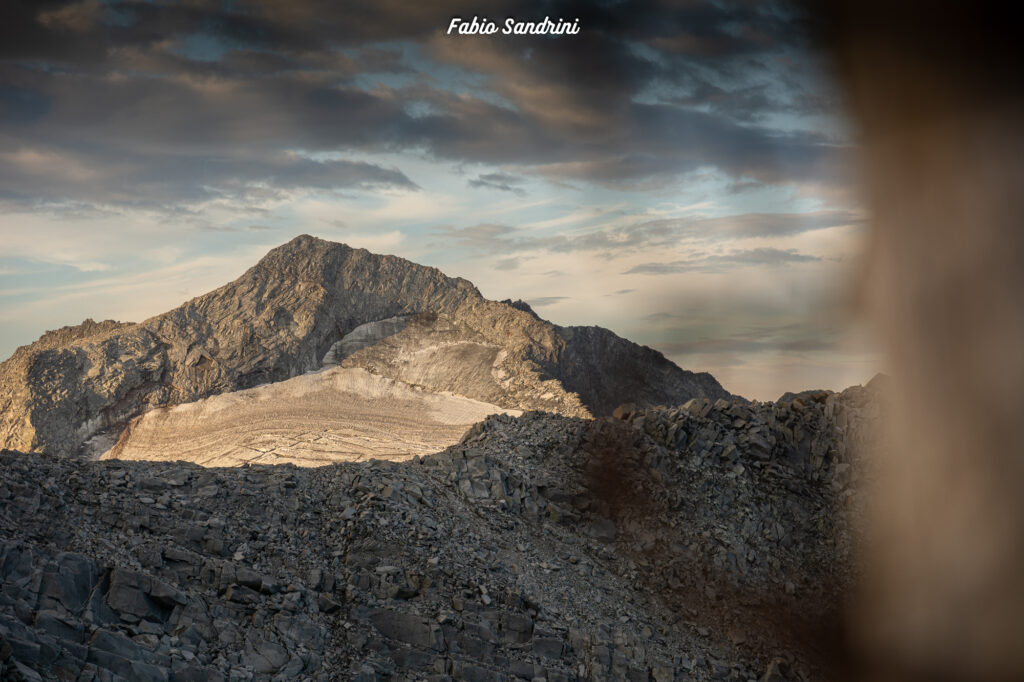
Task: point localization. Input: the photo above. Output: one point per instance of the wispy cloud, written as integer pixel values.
(500, 181)
(723, 262)
(506, 264)
(651, 234)
(546, 301)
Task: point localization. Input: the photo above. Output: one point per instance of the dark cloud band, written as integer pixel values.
(144, 94)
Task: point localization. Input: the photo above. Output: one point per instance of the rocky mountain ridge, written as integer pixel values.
(706, 541)
(281, 318)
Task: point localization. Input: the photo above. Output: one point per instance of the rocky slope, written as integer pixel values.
(282, 317)
(704, 541)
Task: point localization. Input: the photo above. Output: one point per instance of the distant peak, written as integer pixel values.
(306, 242)
(522, 305)
(301, 248)
(307, 239)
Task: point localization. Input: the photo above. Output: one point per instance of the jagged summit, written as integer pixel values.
(311, 259)
(520, 304)
(282, 317)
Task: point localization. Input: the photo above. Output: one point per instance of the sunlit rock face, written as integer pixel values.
(337, 415)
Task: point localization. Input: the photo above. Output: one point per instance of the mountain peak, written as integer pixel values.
(281, 318)
(305, 244)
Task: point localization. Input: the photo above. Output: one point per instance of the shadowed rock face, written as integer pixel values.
(282, 317)
(702, 542)
(629, 373)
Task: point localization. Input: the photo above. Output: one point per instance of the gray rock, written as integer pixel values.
(114, 643)
(265, 656)
(128, 597)
(404, 627)
(421, 580)
(548, 647)
(195, 673)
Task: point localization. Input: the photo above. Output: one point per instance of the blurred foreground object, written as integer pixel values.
(935, 93)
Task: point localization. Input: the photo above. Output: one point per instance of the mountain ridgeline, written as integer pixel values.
(75, 389)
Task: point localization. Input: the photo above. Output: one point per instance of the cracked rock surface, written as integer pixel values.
(337, 415)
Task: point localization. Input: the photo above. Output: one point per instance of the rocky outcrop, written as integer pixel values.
(74, 383)
(77, 388)
(697, 542)
(488, 355)
(628, 373)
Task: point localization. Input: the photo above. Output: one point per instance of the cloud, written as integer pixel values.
(492, 238)
(49, 174)
(723, 262)
(498, 239)
(742, 345)
(166, 102)
(756, 224)
(546, 301)
(499, 181)
(481, 238)
(507, 264)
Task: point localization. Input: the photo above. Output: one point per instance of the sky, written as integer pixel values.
(678, 172)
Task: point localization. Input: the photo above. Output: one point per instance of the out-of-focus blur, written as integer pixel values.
(936, 96)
